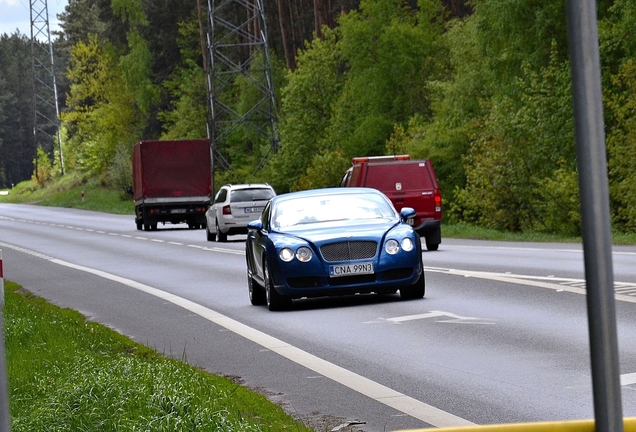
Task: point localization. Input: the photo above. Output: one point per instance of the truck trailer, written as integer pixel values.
(172, 182)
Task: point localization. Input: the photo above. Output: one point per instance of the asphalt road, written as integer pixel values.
(501, 335)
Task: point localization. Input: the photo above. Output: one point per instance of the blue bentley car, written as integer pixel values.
(328, 242)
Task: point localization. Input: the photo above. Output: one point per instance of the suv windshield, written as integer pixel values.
(242, 195)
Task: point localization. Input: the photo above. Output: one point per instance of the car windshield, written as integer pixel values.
(242, 195)
(329, 208)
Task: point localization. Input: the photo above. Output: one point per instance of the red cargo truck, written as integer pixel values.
(171, 182)
(408, 183)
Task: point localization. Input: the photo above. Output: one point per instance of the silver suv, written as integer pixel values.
(234, 207)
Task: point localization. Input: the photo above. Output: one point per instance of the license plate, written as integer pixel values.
(350, 269)
(253, 209)
(177, 211)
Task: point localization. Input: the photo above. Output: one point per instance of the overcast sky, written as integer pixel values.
(16, 14)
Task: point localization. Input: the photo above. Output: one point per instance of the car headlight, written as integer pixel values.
(304, 254)
(407, 244)
(286, 254)
(392, 247)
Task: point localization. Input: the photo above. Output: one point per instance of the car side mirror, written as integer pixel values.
(407, 213)
(256, 225)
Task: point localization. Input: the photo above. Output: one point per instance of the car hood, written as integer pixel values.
(350, 229)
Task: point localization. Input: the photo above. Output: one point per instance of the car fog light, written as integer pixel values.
(304, 254)
(391, 247)
(286, 254)
(407, 244)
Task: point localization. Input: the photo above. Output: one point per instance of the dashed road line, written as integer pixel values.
(625, 291)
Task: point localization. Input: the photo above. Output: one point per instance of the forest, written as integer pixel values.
(481, 87)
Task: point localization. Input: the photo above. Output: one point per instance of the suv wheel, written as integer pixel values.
(220, 237)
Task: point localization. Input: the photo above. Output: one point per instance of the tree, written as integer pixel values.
(519, 151)
(307, 106)
(391, 52)
(103, 113)
(17, 145)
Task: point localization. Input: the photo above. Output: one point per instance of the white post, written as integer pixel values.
(5, 420)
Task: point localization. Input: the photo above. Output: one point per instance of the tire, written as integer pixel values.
(220, 237)
(432, 246)
(255, 291)
(275, 301)
(415, 291)
(208, 234)
(139, 225)
(146, 227)
(433, 239)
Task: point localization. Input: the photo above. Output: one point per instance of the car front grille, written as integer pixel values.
(348, 250)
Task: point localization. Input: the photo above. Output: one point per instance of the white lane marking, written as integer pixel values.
(385, 395)
(229, 251)
(627, 379)
(536, 281)
(532, 249)
(454, 318)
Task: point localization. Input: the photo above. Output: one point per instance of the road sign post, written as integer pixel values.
(595, 216)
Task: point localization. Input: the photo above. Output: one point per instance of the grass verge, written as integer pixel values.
(69, 374)
(71, 191)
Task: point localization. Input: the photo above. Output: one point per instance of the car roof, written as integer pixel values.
(248, 186)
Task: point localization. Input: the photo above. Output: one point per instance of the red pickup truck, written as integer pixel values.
(408, 183)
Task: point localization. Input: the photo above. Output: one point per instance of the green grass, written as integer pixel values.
(67, 192)
(70, 374)
(479, 233)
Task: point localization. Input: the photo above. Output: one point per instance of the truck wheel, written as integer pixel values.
(432, 246)
(139, 225)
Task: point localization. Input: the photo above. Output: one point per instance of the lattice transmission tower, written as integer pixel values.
(237, 46)
(45, 103)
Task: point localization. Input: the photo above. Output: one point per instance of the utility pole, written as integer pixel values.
(237, 47)
(44, 84)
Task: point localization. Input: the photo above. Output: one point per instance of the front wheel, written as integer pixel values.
(256, 292)
(275, 301)
(415, 291)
